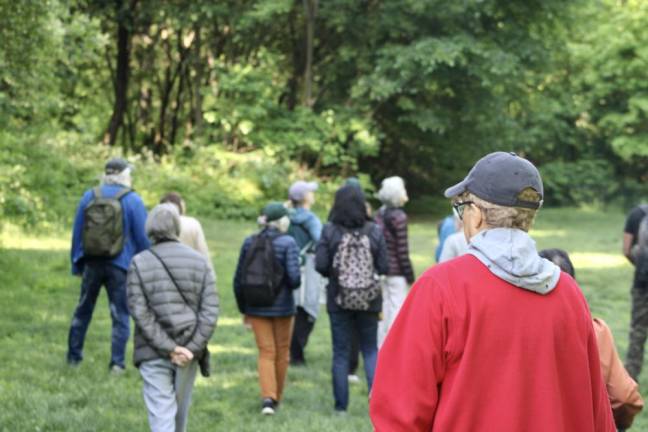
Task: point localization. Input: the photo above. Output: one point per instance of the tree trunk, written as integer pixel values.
(199, 69)
(122, 72)
(310, 12)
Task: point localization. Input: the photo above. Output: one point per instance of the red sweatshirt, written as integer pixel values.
(470, 352)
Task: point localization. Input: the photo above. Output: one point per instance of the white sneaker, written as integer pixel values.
(353, 379)
(268, 407)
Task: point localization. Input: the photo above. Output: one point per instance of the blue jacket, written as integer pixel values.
(305, 227)
(287, 253)
(134, 219)
(446, 228)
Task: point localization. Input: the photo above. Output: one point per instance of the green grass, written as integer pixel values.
(38, 392)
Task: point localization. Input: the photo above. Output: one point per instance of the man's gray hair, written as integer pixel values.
(123, 178)
(392, 192)
(163, 223)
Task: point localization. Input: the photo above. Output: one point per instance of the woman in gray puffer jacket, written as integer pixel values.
(173, 300)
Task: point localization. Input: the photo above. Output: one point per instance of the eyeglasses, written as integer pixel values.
(460, 207)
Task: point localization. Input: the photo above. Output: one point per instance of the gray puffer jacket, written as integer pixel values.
(162, 318)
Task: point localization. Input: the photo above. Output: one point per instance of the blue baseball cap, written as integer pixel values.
(499, 178)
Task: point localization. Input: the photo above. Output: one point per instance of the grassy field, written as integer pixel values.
(38, 392)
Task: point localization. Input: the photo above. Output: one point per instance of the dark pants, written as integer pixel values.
(97, 274)
(343, 324)
(638, 330)
(304, 324)
(354, 361)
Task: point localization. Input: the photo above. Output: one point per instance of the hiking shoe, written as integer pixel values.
(268, 407)
(117, 370)
(354, 379)
(73, 364)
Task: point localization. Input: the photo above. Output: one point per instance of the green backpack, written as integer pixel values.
(103, 228)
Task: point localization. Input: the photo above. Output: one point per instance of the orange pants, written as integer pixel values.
(273, 337)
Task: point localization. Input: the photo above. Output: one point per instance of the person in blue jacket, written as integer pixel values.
(272, 325)
(305, 228)
(446, 228)
(107, 271)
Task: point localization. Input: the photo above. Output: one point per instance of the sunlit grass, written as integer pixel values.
(38, 391)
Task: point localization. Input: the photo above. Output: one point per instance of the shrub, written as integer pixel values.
(589, 181)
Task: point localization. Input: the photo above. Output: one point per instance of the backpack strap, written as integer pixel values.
(122, 193)
(184, 298)
(97, 192)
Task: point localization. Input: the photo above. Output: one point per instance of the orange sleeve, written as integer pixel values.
(622, 390)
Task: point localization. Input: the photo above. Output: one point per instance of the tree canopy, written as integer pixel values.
(418, 88)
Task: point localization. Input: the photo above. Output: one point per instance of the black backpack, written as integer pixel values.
(262, 272)
(103, 226)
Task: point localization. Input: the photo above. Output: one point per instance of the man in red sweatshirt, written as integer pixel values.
(498, 339)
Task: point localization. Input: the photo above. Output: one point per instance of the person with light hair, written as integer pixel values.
(306, 229)
(191, 232)
(392, 219)
(498, 339)
(172, 298)
(266, 275)
(108, 231)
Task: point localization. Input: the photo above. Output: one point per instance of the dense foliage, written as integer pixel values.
(230, 100)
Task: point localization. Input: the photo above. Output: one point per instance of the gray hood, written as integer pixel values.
(511, 254)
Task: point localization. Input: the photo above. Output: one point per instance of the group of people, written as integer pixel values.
(498, 336)
(364, 261)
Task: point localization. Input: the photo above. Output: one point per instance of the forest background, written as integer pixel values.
(228, 101)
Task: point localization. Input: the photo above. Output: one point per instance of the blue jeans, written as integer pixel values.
(343, 324)
(95, 275)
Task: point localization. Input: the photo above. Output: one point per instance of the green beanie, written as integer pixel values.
(274, 211)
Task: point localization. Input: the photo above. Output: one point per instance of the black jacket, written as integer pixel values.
(394, 224)
(327, 248)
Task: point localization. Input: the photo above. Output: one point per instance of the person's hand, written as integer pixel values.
(181, 356)
(246, 322)
(179, 359)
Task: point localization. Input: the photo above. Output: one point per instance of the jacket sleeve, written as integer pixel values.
(143, 316)
(201, 242)
(411, 362)
(291, 258)
(138, 221)
(208, 313)
(622, 390)
(323, 254)
(381, 259)
(238, 278)
(603, 420)
(314, 228)
(76, 251)
(402, 246)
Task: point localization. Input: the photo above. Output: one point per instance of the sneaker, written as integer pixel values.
(117, 370)
(268, 407)
(354, 379)
(298, 363)
(73, 364)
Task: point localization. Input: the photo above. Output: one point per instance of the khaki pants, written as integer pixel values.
(273, 337)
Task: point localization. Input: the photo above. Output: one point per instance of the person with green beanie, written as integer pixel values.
(266, 275)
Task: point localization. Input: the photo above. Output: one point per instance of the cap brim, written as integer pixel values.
(455, 190)
(313, 186)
